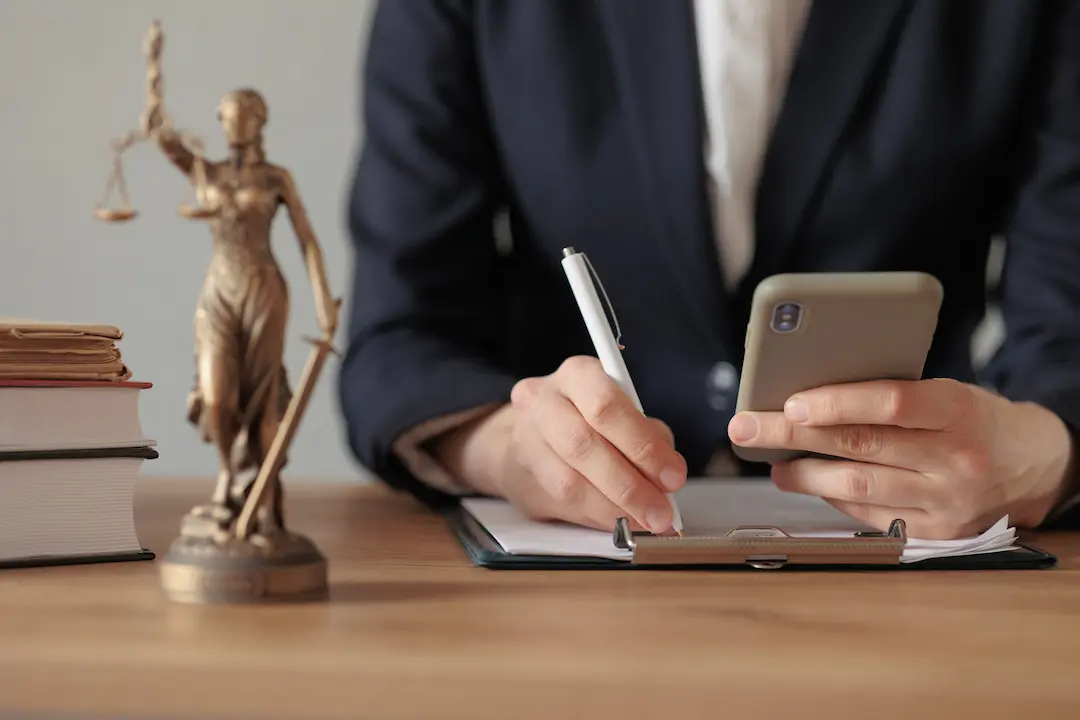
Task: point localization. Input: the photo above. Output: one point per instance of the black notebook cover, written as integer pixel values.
(485, 551)
(146, 453)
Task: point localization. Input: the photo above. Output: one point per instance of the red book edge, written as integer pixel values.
(11, 382)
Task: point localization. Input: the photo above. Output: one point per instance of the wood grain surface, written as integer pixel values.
(414, 631)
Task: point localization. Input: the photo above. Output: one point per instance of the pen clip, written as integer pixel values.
(607, 301)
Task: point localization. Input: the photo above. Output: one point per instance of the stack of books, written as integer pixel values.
(71, 445)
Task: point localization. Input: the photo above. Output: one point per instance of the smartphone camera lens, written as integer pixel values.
(786, 317)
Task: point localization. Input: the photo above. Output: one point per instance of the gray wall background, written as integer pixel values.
(71, 79)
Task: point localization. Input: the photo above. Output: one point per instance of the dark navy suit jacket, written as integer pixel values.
(912, 132)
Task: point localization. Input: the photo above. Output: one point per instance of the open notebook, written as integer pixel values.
(497, 535)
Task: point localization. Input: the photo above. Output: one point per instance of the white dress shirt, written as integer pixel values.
(745, 50)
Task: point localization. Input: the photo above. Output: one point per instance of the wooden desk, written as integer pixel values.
(414, 631)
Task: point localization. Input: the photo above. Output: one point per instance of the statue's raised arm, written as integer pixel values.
(183, 150)
(155, 121)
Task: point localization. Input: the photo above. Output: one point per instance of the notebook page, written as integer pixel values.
(717, 506)
(520, 536)
(714, 507)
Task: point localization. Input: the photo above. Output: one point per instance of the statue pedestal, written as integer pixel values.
(206, 565)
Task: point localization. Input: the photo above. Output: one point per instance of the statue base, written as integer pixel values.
(208, 566)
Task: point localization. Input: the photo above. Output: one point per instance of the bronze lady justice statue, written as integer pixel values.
(241, 394)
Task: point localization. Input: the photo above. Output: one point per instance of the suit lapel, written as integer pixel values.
(843, 43)
(654, 51)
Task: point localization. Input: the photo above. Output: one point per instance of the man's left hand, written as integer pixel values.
(947, 457)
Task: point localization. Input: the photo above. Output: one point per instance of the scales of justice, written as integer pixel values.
(236, 548)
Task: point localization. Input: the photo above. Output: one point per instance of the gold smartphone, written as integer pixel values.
(807, 330)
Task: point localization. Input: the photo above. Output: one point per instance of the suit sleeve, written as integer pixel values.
(1039, 360)
(425, 323)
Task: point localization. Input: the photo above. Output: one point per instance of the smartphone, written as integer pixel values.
(807, 330)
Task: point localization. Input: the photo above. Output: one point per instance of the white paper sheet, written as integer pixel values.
(714, 507)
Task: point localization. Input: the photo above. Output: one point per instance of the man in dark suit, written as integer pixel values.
(693, 149)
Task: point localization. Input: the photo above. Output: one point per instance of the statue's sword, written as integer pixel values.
(320, 349)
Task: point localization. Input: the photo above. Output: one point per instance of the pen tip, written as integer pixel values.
(679, 533)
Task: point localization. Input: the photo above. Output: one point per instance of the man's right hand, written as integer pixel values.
(572, 446)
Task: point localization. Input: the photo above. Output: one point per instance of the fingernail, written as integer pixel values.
(742, 428)
(796, 410)
(658, 519)
(671, 479)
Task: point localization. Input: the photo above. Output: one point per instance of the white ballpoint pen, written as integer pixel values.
(577, 267)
